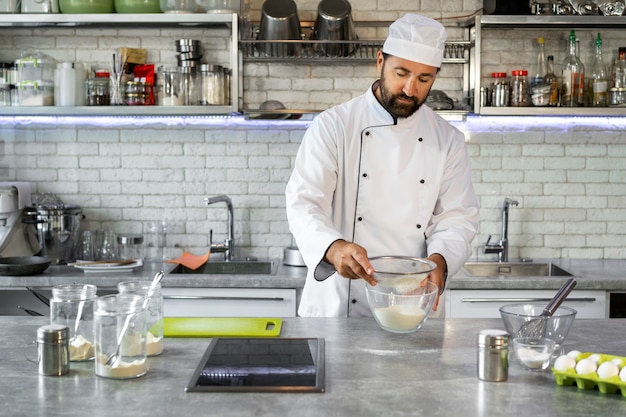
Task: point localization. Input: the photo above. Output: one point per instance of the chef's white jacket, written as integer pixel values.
(395, 187)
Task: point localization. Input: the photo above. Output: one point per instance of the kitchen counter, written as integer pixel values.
(369, 372)
(606, 275)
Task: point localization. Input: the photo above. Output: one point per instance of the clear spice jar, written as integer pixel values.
(72, 306)
(499, 89)
(130, 246)
(211, 83)
(169, 87)
(136, 93)
(120, 319)
(520, 93)
(99, 89)
(154, 312)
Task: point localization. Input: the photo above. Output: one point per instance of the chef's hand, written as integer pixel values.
(350, 260)
(437, 276)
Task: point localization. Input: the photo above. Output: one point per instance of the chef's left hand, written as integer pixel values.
(437, 276)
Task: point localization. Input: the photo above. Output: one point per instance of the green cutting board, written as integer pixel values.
(222, 327)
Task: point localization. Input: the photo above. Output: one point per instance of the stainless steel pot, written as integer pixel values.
(57, 229)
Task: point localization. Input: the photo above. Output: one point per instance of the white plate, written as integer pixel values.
(111, 267)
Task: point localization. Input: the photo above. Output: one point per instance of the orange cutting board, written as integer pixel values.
(222, 327)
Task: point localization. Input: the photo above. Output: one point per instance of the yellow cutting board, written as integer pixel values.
(222, 327)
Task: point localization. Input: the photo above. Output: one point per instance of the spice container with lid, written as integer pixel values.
(130, 246)
(71, 305)
(493, 355)
(99, 89)
(53, 354)
(169, 87)
(211, 83)
(120, 319)
(499, 89)
(520, 93)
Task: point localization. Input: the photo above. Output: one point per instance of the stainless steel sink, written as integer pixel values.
(235, 267)
(515, 269)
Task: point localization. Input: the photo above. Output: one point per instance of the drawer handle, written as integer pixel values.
(523, 300)
(210, 297)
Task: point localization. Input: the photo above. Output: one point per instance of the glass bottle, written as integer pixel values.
(71, 305)
(598, 84)
(619, 69)
(538, 76)
(520, 94)
(573, 77)
(552, 80)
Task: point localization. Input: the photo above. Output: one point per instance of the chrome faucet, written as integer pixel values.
(228, 246)
(502, 247)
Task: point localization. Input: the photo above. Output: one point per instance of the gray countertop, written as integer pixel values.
(590, 274)
(369, 372)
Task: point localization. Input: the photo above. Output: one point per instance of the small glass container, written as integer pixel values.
(189, 79)
(154, 312)
(211, 84)
(130, 246)
(499, 89)
(71, 305)
(520, 96)
(98, 90)
(120, 319)
(169, 88)
(493, 355)
(5, 94)
(52, 350)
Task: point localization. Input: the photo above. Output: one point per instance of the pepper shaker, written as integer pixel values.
(493, 355)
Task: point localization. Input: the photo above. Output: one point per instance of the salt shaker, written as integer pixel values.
(493, 355)
(53, 353)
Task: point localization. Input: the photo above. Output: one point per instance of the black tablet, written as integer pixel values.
(260, 365)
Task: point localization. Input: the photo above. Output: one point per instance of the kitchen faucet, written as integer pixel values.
(502, 247)
(228, 246)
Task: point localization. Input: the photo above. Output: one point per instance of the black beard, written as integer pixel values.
(391, 104)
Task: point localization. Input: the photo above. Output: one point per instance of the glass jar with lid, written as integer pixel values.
(72, 305)
(499, 89)
(130, 246)
(211, 83)
(520, 93)
(169, 87)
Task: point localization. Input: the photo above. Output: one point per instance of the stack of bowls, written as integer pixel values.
(188, 52)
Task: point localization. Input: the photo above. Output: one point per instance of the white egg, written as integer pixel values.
(607, 370)
(618, 362)
(595, 357)
(622, 374)
(573, 353)
(586, 366)
(564, 363)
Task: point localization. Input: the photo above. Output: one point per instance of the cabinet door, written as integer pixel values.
(485, 303)
(229, 302)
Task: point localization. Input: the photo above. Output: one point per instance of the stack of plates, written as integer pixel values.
(189, 54)
(438, 100)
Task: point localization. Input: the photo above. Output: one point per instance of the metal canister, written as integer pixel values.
(493, 355)
(499, 89)
(53, 350)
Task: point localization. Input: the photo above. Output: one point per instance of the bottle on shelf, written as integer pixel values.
(619, 69)
(537, 77)
(573, 77)
(597, 79)
(553, 81)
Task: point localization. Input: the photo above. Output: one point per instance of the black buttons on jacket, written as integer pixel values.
(353, 301)
(419, 226)
(360, 218)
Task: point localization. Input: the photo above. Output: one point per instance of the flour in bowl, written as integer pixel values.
(400, 317)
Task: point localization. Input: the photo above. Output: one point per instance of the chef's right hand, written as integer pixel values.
(350, 261)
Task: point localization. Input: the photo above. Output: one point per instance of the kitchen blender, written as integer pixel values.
(16, 237)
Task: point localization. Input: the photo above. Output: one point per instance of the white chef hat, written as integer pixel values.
(416, 38)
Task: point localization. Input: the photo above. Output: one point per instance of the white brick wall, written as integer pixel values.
(569, 174)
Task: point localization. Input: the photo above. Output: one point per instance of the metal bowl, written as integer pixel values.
(279, 22)
(334, 23)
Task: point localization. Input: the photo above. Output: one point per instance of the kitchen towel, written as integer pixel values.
(191, 261)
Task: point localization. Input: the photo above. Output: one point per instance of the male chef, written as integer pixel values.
(382, 174)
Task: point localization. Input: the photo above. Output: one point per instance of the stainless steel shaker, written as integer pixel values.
(53, 353)
(493, 355)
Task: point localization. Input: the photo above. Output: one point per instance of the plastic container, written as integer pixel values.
(592, 380)
(137, 6)
(520, 92)
(154, 312)
(69, 303)
(87, 6)
(5, 94)
(34, 93)
(9, 6)
(120, 318)
(35, 69)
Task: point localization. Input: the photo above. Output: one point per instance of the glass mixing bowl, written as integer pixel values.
(556, 326)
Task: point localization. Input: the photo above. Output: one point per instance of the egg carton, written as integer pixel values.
(592, 380)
